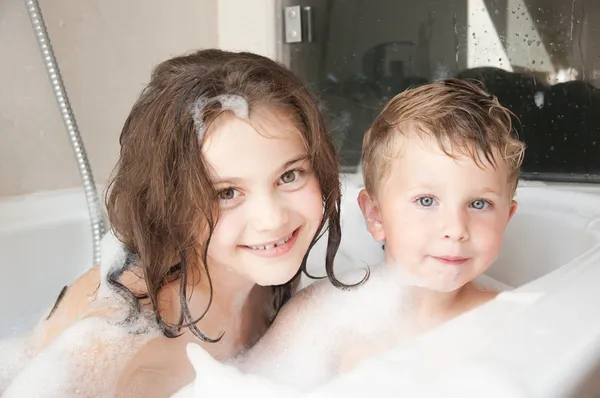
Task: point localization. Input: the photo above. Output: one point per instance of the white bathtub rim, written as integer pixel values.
(546, 282)
(492, 332)
(575, 345)
(44, 208)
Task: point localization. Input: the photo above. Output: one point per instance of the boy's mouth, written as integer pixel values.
(451, 260)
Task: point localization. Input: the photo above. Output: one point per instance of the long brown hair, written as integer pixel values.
(161, 201)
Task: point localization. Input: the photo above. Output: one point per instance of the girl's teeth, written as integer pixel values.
(272, 245)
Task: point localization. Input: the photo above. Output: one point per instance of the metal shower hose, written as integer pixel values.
(89, 188)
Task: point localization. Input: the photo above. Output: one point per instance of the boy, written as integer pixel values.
(441, 166)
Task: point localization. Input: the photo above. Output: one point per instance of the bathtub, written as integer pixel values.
(45, 243)
(542, 337)
(539, 339)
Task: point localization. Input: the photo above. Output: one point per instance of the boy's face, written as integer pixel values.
(442, 219)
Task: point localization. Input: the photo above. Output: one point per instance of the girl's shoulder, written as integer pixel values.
(76, 301)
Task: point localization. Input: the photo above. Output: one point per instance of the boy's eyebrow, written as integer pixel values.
(237, 180)
(490, 190)
(429, 188)
(421, 187)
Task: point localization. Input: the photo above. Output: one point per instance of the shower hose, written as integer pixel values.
(83, 164)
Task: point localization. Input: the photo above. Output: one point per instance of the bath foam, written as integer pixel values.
(82, 360)
(305, 356)
(235, 103)
(216, 379)
(381, 376)
(113, 259)
(116, 259)
(94, 350)
(304, 353)
(298, 367)
(15, 353)
(380, 315)
(18, 350)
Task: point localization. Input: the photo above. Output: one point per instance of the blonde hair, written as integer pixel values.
(463, 118)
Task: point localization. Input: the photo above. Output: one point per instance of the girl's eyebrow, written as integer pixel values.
(238, 180)
(295, 160)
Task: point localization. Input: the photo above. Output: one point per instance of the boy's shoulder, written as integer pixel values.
(475, 295)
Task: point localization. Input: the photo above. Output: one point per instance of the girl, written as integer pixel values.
(225, 181)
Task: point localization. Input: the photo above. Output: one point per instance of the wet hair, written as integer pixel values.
(161, 201)
(59, 299)
(460, 115)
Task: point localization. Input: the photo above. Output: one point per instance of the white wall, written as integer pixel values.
(249, 25)
(106, 50)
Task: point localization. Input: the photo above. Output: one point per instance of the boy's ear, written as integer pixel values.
(372, 216)
(513, 209)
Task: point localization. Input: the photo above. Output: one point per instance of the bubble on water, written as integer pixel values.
(87, 358)
(15, 353)
(304, 355)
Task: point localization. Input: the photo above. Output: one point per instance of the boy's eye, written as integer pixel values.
(480, 204)
(289, 176)
(227, 194)
(426, 201)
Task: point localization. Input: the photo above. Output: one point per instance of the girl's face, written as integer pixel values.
(270, 200)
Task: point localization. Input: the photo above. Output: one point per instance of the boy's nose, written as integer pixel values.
(455, 226)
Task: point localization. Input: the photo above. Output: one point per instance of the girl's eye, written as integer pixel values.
(480, 204)
(290, 176)
(426, 201)
(228, 194)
